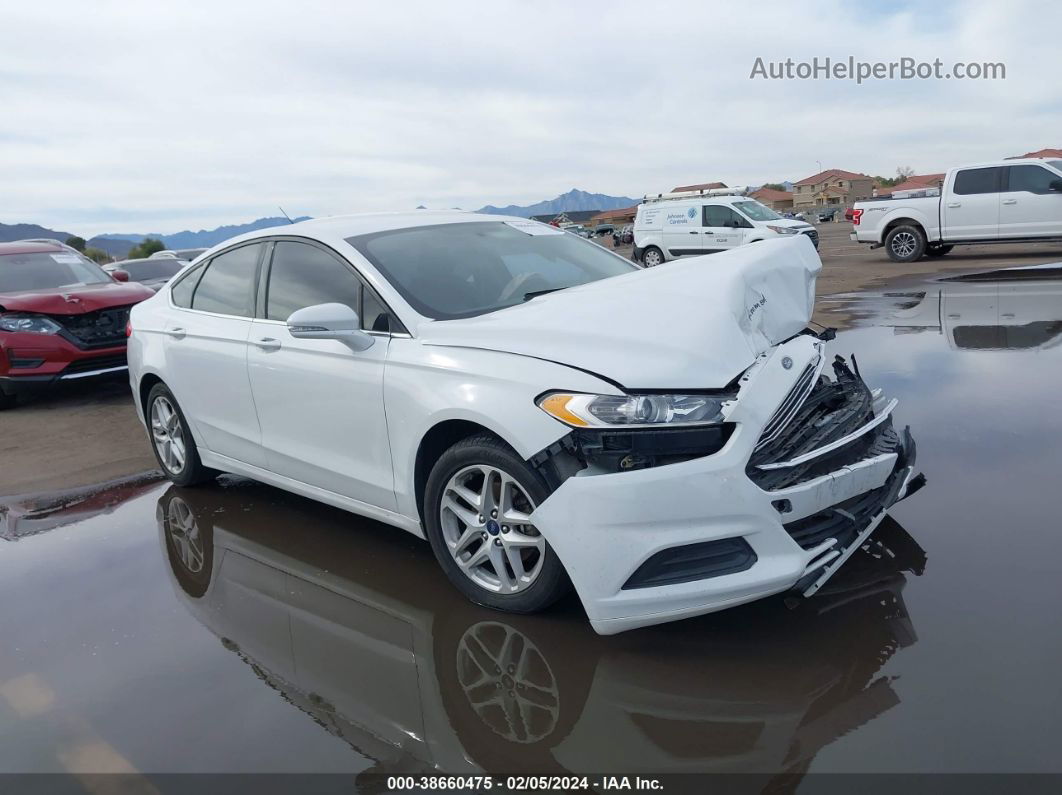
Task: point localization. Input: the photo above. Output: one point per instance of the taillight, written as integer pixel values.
(129, 328)
(856, 215)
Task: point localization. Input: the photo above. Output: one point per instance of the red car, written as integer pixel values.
(61, 318)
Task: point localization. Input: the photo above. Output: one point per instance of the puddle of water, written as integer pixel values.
(238, 628)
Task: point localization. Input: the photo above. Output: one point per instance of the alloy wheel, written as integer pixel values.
(485, 515)
(904, 244)
(184, 533)
(508, 682)
(168, 435)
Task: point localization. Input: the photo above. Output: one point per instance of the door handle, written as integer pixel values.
(177, 333)
(695, 232)
(707, 232)
(1010, 201)
(268, 344)
(953, 205)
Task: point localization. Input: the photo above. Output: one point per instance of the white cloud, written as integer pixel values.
(156, 117)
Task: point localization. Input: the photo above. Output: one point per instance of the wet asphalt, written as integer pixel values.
(237, 628)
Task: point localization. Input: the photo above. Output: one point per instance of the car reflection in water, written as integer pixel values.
(360, 631)
(1012, 309)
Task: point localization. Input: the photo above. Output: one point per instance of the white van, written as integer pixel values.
(691, 223)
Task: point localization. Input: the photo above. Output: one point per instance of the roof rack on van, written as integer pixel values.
(691, 194)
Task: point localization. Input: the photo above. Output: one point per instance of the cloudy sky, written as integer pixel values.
(157, 117)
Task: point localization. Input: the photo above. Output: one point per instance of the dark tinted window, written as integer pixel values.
(977, 180)
(148, 269)
(719, 215)
(303, 275)
(181, 292)
(1033, 179)
(227, 286)
(467, 269)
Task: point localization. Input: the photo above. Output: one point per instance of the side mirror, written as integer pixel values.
(123, 276)
(1056, 185)
(330, 322)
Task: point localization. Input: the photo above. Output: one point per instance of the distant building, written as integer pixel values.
(913, 182)
(701, 186)
(566, 217)
(778, 200)
(832, 188)
(624, 215)
(1042, 153)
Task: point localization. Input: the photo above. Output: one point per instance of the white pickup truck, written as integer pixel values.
(1010, 201)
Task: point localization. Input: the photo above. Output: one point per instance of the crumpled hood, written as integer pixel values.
(79, 298)
(694, 323)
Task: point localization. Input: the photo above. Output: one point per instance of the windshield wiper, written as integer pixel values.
(536, 293)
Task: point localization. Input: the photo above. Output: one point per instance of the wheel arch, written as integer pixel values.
(438, 439)
(902, 220)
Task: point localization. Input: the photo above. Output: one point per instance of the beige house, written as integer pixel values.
(835, 188)
(777, 200)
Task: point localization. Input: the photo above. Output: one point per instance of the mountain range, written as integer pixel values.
(574, 199)
(118, 244)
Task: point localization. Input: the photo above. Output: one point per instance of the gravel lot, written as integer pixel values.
(88, 433)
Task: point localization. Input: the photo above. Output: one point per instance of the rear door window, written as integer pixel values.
(227, 285)
(972, 181)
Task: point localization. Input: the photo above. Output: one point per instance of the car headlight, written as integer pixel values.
(783, 230)
(632, 411)
(39, 324)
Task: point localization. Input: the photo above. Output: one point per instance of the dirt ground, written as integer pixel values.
(88, 433)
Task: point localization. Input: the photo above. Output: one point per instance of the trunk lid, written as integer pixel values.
(694, 323)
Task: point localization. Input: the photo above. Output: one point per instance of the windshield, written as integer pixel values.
(756, 211)
(46, 270)
(467, 269)
(149, 269)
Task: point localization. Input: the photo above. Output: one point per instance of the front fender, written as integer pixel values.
(426, 385)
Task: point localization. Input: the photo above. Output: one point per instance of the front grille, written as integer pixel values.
(693, 562)
(814, 235)
(101, 329)
(95, 363)
(833, 409)
(843, 522)
(793, 401)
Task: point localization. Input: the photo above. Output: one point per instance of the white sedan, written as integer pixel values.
(544, 412)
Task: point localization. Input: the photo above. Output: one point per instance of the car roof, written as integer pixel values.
(20, 247)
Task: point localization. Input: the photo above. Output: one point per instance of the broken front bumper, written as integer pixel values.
(807, 474)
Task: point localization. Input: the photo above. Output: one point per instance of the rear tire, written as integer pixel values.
(652, 256)
(905, 243)
(476, 504)
(172, 441)
(937, 250)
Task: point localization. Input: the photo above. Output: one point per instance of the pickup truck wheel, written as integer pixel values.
(652, 257)
(905, 244)
(938, 250)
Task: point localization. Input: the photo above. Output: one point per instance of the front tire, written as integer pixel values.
(652, 257)
(172, 441)
(477, 507)
(905, 243)
(7, 401)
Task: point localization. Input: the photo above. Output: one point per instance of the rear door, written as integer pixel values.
(682, 230)
(320, 404)
(1027, 206)
(723, 228)
(971, 207)
(206, 351)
